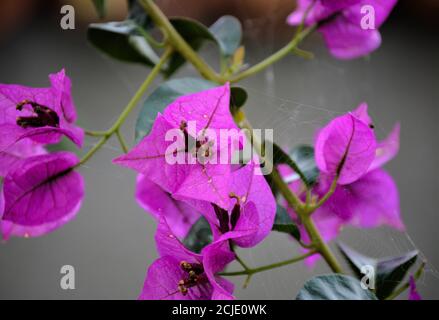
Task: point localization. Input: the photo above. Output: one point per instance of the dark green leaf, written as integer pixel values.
(199, 236)
(334, 287)
(389, 272)
(301, 161)
(303, 156)
(194, 33)
(227, 31)
(101, 7)
(122, 41)
(284, 223)
(271, 184)
(238, 97)
(165, 94)
(138, 15)
(281, 157)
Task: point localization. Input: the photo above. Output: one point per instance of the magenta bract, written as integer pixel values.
(342, 26)
(345, 147)
(41, 194)
(158, 202)
(207, 182)
(180, 274)
(367, 196)
(41, 114)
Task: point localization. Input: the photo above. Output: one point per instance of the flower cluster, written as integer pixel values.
(340, 23)
(235, 200)
(40, 191)
(187, 170)
(348, 153)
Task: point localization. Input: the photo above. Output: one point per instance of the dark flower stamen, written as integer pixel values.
(43, 116)
(200, 143)
(195, 277)
(236, 211)
(223, 218)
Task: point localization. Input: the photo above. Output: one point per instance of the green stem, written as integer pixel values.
(325, 198)
(299, 207)
(95, 133)
(93, 150)
(291, 197)
(241, 262)
(287, 49)
(320, 245)
(129, 107)
(149, 38)
(122, 142)
(178, 42)
(252, 271)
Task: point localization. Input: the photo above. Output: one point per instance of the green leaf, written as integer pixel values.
(164, 95)
(389, 272)
(284, 223)
(303, 156)
(227, 31)
(334, 287)
(301, 159)
(195, 34)
(101, 7)
(122, 41)
(138, 15)
(199, 236)
(238, 97)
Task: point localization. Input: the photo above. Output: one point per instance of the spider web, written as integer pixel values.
(279, 98)
(295, 122)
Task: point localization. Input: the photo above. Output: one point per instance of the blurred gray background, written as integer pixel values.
(110, 243)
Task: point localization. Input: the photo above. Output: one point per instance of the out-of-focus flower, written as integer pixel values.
(342, 25)
(41, 194)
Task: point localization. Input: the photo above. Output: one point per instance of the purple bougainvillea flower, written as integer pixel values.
(346, 147)
(180, 274)
(41, 194)
(158, 202)
(16, 152)
(149, 157)
(2, 201)
(41, 114)
(413, 293)
(209, 109)
(387, 149)
(187, 177)
(250, 215)
(340, 23)
(370, 201)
